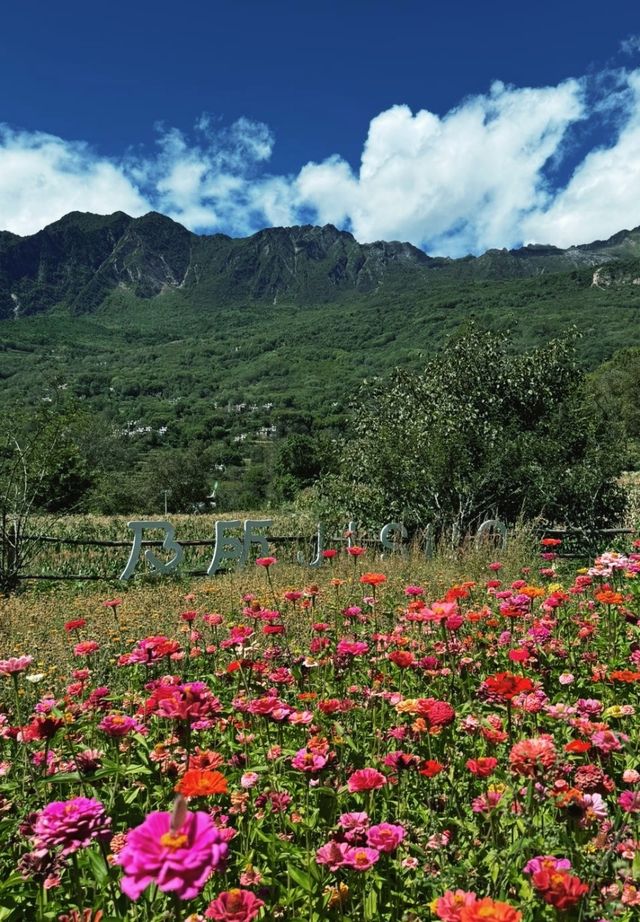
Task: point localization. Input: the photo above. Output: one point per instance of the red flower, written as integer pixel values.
(482, 767)
(75, 625)
(355, 551)
(436, 713)
(329, 554)
(559, 888)
(431, 768)
(506, 685)
(577, 746)
(265, 562)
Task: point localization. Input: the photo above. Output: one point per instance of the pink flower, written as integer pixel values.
(249, 780)
(366, 779)
(361, 859)
(70, 824)
(332, 855)
(630, 801)
(355, 824)
(265, 562)
(234, 906)
(352, 647)
(15, 665)
(307, 761)
(179, 860)
(385, 837)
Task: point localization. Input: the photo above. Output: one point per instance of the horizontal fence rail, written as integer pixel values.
(579, 543)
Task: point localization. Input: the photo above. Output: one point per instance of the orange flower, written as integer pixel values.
(608, 597)
(488, 910)
(625, 675)
(197, 782)
(373, 579)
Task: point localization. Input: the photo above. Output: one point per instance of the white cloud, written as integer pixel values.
(455, 184)
(479, 176)
(43, 177)
(603, 194)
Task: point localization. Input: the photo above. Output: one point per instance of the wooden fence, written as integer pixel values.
(576, 544)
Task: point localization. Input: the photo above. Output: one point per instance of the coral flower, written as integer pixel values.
(355, 551)
(265, 562)
(488, 910)
(528, 757)
(234, 906)
(178, 856)
(198, 782)
(366, 779)
(373, 579)
(449, 906)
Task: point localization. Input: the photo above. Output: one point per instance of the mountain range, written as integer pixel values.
(81, 259)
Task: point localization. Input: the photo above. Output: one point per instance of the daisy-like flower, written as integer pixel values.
(70, 824)
(178, 851)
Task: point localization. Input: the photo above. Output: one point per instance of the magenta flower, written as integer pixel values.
(385, 837)
(307, 761)
(630, 801)
(366, 779)
(234, 906)
(178, 861)
(117, 725)
(70, 824)
(361, 859)
(546, 862)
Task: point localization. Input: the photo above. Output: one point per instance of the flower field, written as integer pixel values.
(367, 747)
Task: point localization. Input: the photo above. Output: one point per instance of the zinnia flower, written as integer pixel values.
(488, 910)
(528, 757)
(265, 562)
(385, 837)
(197, 782)
(178, 851)
(366, 779)
(70, 824)
(15, 664)
(234, 906)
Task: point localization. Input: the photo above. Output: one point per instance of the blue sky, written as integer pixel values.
(458, 128)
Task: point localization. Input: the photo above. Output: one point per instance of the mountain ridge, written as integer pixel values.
(80, 259)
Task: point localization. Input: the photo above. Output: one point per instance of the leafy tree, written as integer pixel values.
(482, 432)
(43, 470)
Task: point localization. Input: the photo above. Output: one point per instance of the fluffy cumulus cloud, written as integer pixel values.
(501, 169)
(43, 177)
